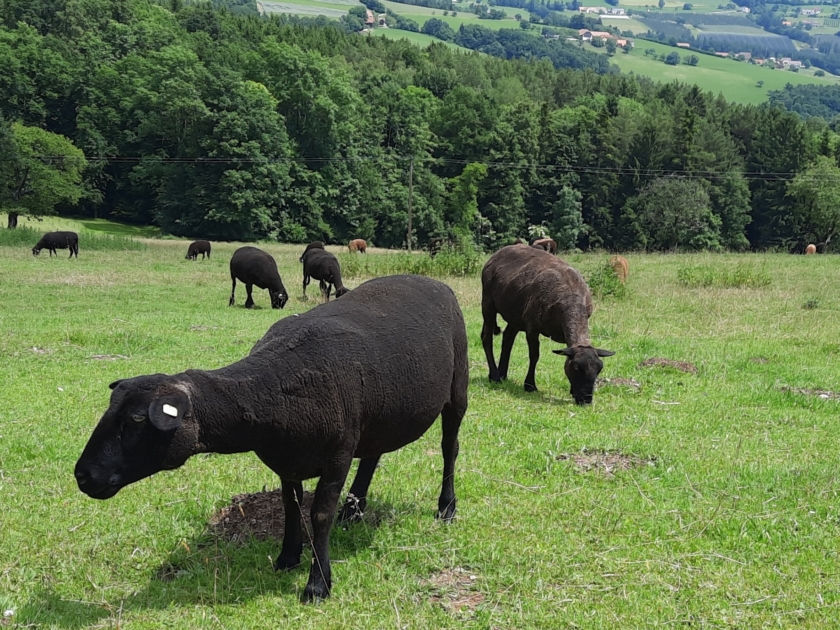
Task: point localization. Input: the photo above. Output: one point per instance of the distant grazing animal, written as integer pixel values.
(811, 249)
(58, 240)
(322, 265)
(255, 267)
(821, 247)
(620, 267)
(305, 406)
(545, 244)
(540, 295)
(196, 248)
(312, 245)
(357, 245)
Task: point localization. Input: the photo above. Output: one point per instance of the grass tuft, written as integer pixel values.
(604, 282)
(741, 276)
(458, 261)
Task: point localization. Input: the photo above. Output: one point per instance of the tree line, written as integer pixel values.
(219, 125)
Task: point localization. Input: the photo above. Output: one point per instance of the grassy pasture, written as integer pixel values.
(737, 81)
(731, 520)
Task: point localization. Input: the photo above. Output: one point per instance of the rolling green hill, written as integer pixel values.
(737, 81)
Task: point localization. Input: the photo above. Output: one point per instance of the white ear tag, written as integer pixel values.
(169, 410)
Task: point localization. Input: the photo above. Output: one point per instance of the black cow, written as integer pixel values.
(58, 240)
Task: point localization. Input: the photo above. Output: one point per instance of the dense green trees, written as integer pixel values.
(209, 123)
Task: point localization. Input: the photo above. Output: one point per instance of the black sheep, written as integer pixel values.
(196, 248)
(58, 240)
(540, 295)
(312, 245)
(306, 405)
(253, 266)
(322, 265)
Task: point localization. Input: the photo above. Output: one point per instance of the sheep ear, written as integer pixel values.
(604, 353)
(167, 412)
(568, 352)
(115, 383)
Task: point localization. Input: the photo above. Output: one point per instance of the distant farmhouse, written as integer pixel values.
(586, 35)
(603, 10)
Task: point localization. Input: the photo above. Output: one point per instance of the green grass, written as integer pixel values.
(737, 81)
(102, 226)
(420, 39)
(735, 523)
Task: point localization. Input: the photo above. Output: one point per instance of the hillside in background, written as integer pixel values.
(211, 124)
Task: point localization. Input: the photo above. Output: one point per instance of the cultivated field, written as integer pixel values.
(706, 497)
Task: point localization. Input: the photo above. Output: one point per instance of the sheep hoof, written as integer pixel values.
(530, 387)
(286, 564)
(447, 514)
(495, 378)
(352, 511)
(316, 592)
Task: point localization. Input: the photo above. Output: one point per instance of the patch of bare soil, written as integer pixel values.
(761, 360)
(38, 350)
(682, 366)
(819, 393)
(260, 515)
(624, 382)
(606, 462)
(454, 589)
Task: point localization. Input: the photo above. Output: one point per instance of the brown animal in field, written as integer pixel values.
(620, 267)
(811, 249)
(540, 295)
(545, 244)
(357, 245)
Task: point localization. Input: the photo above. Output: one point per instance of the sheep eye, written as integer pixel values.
(138, 418)
(575, 365)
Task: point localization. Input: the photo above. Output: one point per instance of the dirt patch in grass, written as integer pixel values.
(260, 515)
(107, 357)
(760, 360)
(682, 366)
(454, 589)
(618, 381)
(606, 462)
(819, 393)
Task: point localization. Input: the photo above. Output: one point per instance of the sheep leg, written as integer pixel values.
(323, 286)
(533, 357)
(249, 303)
(305, 284)
(451, 417)
(356, 502)
(232, 300)
(323, 512)
(508, 337)
(289, 556)
(487, 331)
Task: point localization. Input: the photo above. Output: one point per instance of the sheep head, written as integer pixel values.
(278, 299)
(148, 427)
(583, 364)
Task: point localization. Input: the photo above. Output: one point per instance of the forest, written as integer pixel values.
(213, 123)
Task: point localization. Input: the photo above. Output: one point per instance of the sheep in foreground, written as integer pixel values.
(255, 267)
(312, 245)
(546, 244)
(620, 267)
(196, 248)
(304, 406)
(58, 240)
(540, 295)
(323, 266)
(811, 249)
(357, 245)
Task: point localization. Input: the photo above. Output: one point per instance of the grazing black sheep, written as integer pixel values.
(255, 267)
(540, 295)
(196, 248)
(312, 245)
(58, 240)
(322, 265)
(305, 406)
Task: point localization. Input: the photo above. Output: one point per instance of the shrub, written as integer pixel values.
(743, 276)
(603, 282)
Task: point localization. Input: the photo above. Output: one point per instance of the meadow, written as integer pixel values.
(737, 81)
(702, 492)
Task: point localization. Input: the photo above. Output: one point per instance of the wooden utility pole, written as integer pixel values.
(410, 192)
